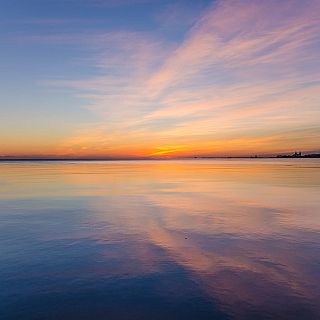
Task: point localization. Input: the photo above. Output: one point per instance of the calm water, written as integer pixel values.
(202, 239)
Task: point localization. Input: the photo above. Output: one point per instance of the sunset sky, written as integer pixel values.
(158, 78)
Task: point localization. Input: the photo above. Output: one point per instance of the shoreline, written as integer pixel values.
(317, 156)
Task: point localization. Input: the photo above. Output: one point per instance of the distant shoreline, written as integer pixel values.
(306, 156)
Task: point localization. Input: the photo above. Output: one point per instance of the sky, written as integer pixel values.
(159, 78)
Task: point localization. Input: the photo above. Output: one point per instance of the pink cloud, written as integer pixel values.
(244, 68)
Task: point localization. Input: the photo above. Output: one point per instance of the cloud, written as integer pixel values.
(180, 14)
(245, 68)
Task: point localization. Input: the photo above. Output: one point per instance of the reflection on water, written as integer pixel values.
(193, 239)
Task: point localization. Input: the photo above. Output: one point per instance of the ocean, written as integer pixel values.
(168, 239)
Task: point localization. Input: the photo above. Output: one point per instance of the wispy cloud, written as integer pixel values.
(245, 71)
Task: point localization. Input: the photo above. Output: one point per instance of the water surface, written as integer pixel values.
(193, 239)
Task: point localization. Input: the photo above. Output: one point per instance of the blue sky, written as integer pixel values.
(147, 78)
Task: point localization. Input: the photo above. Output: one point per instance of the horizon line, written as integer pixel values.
(275, 156)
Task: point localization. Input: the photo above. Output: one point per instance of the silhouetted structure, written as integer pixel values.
(294, 155)
(299, 155)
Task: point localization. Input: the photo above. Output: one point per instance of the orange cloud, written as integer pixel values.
(244, 79)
